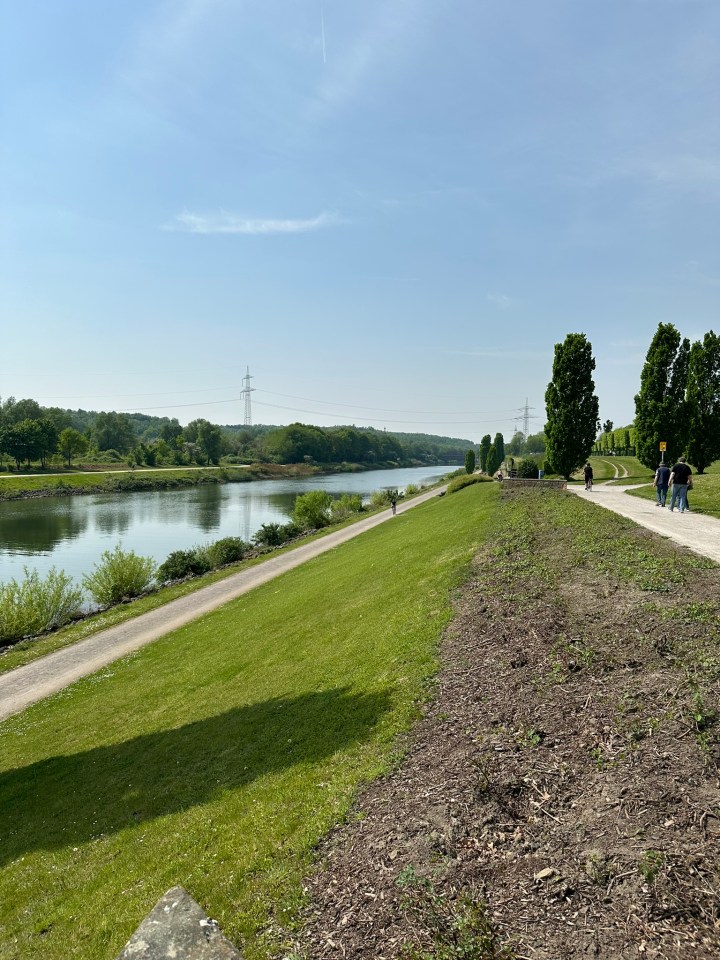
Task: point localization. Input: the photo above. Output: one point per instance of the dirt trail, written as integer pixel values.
(22, 687)
(697, 532)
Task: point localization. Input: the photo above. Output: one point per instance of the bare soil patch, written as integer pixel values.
(560, 796)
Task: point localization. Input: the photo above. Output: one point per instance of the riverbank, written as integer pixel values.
(33, 486)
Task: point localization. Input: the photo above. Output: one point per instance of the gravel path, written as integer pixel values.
(695, 531)
(26, 685)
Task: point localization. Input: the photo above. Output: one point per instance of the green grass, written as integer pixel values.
(26, 651)
(219, 755)
(114, 481)
(603, 470)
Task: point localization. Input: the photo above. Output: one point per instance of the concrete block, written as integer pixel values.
(177, 929)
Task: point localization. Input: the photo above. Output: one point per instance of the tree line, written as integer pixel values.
(30, 433)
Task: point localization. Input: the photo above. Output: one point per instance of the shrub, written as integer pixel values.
(36, 606)
(227, 550)
(183, 563)
(379, 498)
(458, 483)
(528, 470)
(273, 534)
(345, 506)
(119, 576)
(312, 510)
(411, 489)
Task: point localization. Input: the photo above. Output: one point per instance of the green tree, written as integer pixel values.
(660, 406)
(47, 439)
(113, 431)
(210, 441)
(492, 464)
(70, 443)
(571, 405)
(170, 431)
(485, 445)
(470, 461)
(499, 444)
(23, 441)
(535, 443)
(703, 402)
(516, 447)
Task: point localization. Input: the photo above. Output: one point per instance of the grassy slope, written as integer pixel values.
(704, 496)
(113, 480)
(217, 756)
(603, 470)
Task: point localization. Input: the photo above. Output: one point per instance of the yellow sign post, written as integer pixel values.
(663, 448)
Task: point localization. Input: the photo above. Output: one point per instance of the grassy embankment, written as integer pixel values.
(218, 755)
(123, 481)
(629, 470)
(704, 496)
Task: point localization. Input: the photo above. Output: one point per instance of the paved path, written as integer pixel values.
(693, 530)
(26, 685)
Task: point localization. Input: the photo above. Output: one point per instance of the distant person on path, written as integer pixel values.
(680, 478)
(661, 484)
(393, 503)
(588, 473)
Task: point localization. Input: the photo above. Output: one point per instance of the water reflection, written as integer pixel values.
(27, 530)
(71, 533)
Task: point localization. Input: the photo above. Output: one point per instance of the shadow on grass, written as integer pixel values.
(71, 799)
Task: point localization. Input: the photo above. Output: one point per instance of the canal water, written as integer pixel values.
(71, 533)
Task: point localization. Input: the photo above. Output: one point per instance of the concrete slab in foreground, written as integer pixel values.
(177, 929)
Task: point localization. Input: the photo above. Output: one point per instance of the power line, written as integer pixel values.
(339, 416)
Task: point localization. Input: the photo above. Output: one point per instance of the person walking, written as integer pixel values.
(588, 474)
(680, 478)
(661, 484)
(393, 502)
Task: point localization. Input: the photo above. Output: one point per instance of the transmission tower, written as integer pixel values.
(525, 418)
(245, 394)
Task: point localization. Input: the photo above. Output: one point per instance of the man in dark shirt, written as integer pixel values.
(588, 474)
(679, 479)
(661, 484)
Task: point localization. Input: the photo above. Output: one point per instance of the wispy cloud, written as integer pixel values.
(500, 300)
(229, 223)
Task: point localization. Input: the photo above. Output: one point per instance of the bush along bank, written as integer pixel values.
(34, 607)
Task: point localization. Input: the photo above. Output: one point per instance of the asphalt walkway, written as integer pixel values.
(26, 685)
(697, 532)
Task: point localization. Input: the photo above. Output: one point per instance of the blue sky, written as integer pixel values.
(390, 211)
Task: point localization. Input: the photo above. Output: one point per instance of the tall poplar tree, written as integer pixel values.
(703, 402)
(571, 405)
(493, 461)
(660, 408)
(499, 444)
(485, 445)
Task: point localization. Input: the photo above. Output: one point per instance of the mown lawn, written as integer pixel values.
(603, 470)
(217, 757)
